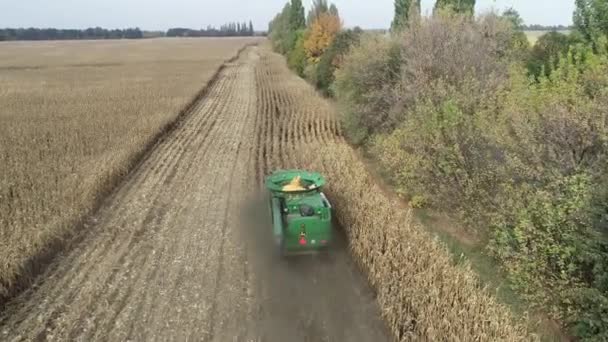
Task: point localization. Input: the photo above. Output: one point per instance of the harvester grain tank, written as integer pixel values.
(301, 213)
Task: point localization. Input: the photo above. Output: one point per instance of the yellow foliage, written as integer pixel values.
(321, 35)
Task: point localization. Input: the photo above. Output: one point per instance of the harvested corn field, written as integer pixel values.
(182, 249)
(74, 117)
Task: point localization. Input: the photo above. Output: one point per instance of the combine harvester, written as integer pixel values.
(301, 214)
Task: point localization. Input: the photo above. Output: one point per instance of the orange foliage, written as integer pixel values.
(321, 35)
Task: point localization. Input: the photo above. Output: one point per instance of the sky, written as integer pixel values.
(164, 14)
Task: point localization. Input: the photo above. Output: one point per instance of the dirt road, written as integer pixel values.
(182, 250)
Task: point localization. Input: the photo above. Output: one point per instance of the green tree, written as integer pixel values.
(332, 59)
(364, 83)
(297, 20)
(279, 30)
(546, 52)
(591, 21)
(520, 45)
(514, 17)
(333, 10)
(296, 58)
(403, 11)
(457, 6)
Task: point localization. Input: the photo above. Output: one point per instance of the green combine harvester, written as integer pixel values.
(301, 214)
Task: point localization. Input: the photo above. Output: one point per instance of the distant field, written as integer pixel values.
(73, 116)
(534, 35)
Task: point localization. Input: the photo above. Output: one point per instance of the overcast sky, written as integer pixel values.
(163, 14)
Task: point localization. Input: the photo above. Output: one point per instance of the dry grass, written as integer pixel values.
(74, 116)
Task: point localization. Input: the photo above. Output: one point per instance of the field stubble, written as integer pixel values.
(74, 117)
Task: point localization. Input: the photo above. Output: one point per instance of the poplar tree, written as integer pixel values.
(457, 6)
(591, 21)
(297, 20)
(403, 10)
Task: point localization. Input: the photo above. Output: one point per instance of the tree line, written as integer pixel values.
(536, 27)
(228, 30)
(467, 117)
(63, 34)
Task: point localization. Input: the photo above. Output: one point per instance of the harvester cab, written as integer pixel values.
(301, 213)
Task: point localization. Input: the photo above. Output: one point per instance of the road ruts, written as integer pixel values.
(320, 298)
(181, 251)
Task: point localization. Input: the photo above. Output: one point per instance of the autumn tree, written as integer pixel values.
(318, 7)
(333, 58)
(321, 35)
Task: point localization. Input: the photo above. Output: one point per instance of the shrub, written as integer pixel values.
(550, 229)
(364, 86)
(310, 73)
(546, 52)
(555, 256)
(452, 72)
(557, 126)
(590, 321)
(452, 50)
(520, 44)
(443, 150)
(418, 202)
(450, 112)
